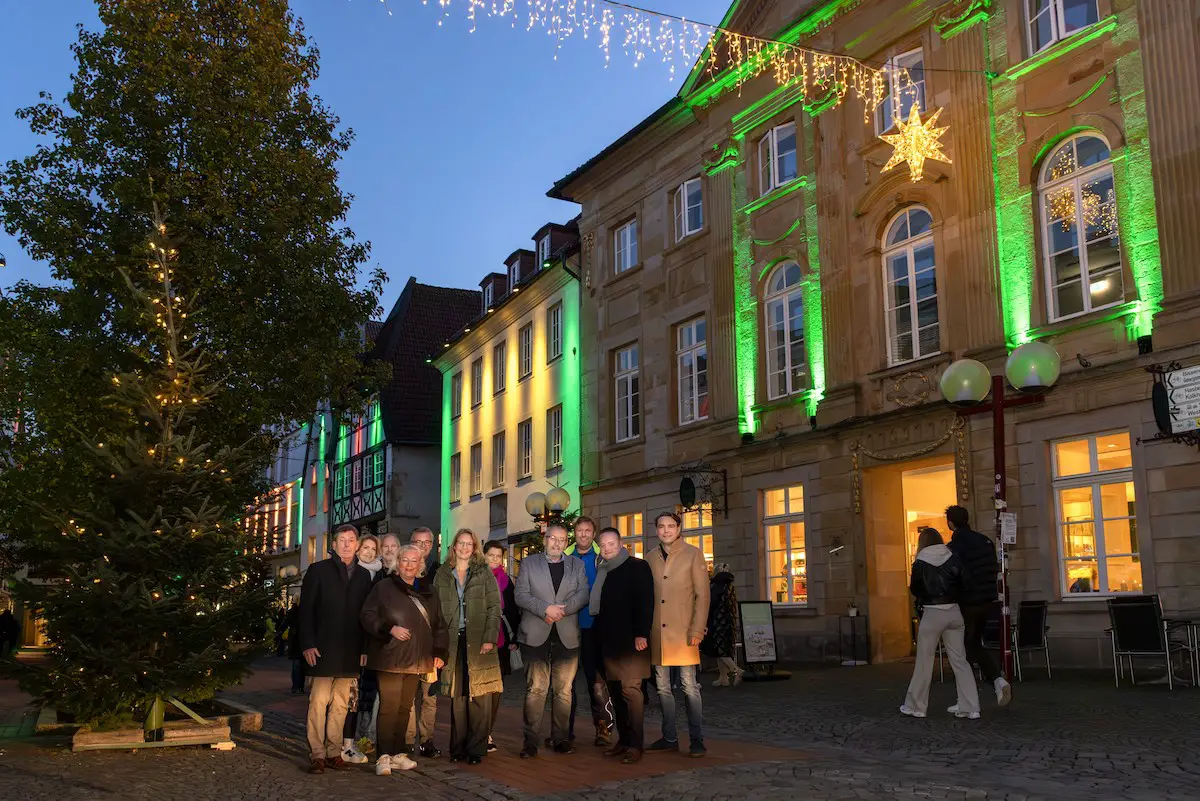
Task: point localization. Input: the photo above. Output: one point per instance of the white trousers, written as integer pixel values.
(945, 625)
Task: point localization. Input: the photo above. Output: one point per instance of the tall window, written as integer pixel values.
(697, 529)
(499, 367)
(904, 77)
(358, 471)
(476, 382)
(477, 468)
(689, 209)
(786, 366)
(1052, 20)
(456, 392)
(525, 351)
(1079, 229)
(625, 247)
(543, 250)
(910, 287)
(455, 478)
(499, 445)
(628, 401)
(632, 533)
(691, 359)
(487, 296)
(312, 493)
(380, 466)
(554, 432)
(525, 442)
(514, 270)
(787, 565)
(777, 157)
(554, 322)
(1097, 520)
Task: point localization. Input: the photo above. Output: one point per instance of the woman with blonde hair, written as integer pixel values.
(470, 601)
(938, 582)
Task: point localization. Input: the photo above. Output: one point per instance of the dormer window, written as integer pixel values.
(513, 274)
(543, 250)
(487, 296)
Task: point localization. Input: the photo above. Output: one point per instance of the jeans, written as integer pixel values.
(945, 625)
(592, 662)
(327, 715)
(973, 619)
(551, 667)
(629, 708)
(396, 691)
(691, 693)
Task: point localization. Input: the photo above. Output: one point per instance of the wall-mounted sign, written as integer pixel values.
(1177, 401)
(758, 631)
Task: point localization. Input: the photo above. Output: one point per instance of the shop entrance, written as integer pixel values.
(897, 501)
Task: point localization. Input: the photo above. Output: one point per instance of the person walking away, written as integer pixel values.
(587, 551)
(470, 601)
(407, 639)
(680, 617)
(510, 622)
(331, 642)
(292, 623)
(363, 700)
(622, 603)
(938, 581)
(9, 632)
(424, 717)
(978, 556)
(722, 627)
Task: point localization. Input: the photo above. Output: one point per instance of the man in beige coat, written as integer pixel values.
(680, 618)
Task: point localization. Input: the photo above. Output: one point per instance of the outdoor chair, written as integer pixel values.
(1138, 629)
(1029, 632)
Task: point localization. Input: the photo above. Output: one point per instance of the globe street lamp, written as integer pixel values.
(548, 507)
(1031, 369)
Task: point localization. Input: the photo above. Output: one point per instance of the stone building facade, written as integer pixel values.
(829, 297)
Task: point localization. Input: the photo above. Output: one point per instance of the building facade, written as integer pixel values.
(772, 310)
(511, 383)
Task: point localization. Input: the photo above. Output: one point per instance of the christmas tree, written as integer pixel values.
(155, 590)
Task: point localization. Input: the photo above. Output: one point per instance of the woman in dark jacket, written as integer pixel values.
(721, 636)
(406, 640)
(938, 583)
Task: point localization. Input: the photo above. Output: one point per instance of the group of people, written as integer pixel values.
(382, 629)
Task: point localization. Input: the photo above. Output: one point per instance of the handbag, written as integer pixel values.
(431, 677)
(515, 661)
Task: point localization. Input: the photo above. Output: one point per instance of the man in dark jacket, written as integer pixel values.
(978, 556)
(331, 641)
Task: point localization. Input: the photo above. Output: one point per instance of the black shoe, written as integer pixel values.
(456, 759)
(429, 750)
(475, 760)
(491, 748)
(528, 753)
(564, 748)
(662, 745)
(696, 749)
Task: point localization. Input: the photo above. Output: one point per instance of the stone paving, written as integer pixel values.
(825, 735)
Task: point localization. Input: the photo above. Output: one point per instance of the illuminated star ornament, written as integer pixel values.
(915, 142)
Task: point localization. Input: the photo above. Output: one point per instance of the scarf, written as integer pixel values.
(372, 567)
(602, 568)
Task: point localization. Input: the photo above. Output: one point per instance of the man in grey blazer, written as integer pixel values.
(551, 588)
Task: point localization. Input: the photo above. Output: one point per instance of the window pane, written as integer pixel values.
(1061, 234)
(795, 499)
(899, 230)
(1124, 574)
(1079, 14)
(920, 221)
(1113, 453)
(1119, 537)
(1082, 576)
(777, 540)
(1090, 150)
(927, 312)
(929, 340)
(898, 266)
(786, 160)
(1068, 299)
(902, 348)
(778, 588)
(775, 502)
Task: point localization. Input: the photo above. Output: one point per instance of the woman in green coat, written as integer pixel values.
(470, 603)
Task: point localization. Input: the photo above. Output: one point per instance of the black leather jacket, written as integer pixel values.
(946, 583)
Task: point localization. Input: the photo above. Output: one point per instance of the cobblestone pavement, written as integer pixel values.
(825, 735)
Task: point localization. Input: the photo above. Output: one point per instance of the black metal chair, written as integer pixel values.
(1029, 632)
(1138, 629)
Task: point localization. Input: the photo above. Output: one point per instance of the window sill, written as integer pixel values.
(625, 444)
(778, 192)
(557, 358)
(794, 399)
(475, 406)
(523, 480)
(525, 377)
(1085, 320)
(497, 392)
(475, 496)
(695, 425)
(1060, 48)
(616, 277)
(554, 471)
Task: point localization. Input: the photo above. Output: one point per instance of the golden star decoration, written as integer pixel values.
(915, 142)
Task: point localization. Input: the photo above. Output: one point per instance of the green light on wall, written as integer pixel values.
(572, 443)
(745, 307)
(298, 523)
(376, 424)
(814, 318)
(343, 446)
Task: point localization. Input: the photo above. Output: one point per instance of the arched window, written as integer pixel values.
(1079, 229)
(786, 365)
(910, 287)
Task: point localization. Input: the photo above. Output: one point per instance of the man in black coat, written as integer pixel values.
(622, 603)
(978, 556)
(331, 642)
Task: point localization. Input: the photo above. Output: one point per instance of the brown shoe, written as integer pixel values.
(616, 750)
(602, 734)
(632, 756)
(317, 766)
(337, 763)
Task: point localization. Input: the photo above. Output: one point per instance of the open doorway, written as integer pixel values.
(899, 499)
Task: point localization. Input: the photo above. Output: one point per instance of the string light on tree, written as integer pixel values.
(916, 142)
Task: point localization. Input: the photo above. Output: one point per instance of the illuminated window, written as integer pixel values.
(783, 528)
(477, 468)
(625, 247)
(525, 352)
(455, 478)
(498, 455)
(477, 382)
(499, 367)
(1052, 20)
(691, 361)
(777, 158)
(910, 287)
(525, 440)
(632, 533)
(1080, 242)
(456, 393)
(626, 382)
(380, 465)
(697, 529)
(554, 422)
(904, 77)
(312, 493)
(784, 308)
(1096, 515)
(689, 209)
(554, 333)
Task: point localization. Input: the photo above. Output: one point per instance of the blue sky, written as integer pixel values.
(459, 134)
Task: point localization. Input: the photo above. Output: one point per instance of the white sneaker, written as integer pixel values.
(402, 762)
(383, 765)
(912, 713)
(968, 715)
(353, 756)
(723, 681)
(1003, 691)
(953, 710)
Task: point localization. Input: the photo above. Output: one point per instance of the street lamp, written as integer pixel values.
(548, 507)
(1032, 369)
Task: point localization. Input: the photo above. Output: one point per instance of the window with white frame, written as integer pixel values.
(625, 247)
(513, 270)
(777, 158)
(904, 82)
(380, 467)
(554, 332)
(499, 444)
(697, 529)
(1053, 20)
(455, 478)
(1094, 504)
(691, 361)
(476, 382)
(525, 351)
(689, 209)
(632, 533)
(910, 302)
(456, 393)
(477, 468)
(783, 528)
(554, 432)
(499, 367)
(525, 443)
(626, 383)
(1080, 241)
(543, 250)
(784, 307)
(487, 296)
(358, 475)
